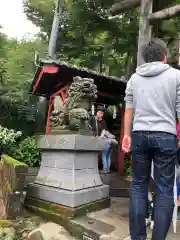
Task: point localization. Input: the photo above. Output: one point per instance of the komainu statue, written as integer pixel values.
(74, 113)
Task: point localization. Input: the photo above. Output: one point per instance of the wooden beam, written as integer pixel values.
(124, 5)
(165, 13)
(145, 29)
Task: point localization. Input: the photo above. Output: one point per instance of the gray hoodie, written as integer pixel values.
(154, 94)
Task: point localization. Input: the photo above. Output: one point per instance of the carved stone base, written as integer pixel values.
(42, 206)
(69, 173)
(68, 198)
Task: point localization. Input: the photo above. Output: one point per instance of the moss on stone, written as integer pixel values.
(11, 161)
(4, 223)
(37, 202)
(67, 212)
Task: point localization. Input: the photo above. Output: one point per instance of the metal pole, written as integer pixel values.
(54, 31)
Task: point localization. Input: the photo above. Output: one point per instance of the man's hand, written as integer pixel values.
(126, 143)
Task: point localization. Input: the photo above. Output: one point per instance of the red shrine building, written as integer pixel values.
(53, 78)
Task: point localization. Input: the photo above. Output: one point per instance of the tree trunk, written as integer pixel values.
(124, 5)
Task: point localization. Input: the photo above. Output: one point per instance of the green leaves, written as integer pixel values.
(28, 153)
(87, 35)
(17, 68)
(84, 22)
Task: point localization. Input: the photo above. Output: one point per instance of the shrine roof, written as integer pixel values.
(53, 75)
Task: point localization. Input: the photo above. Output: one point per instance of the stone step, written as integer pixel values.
(92, 227)
(49, 231)
(95, 229)
(119, 186)
(113, 223)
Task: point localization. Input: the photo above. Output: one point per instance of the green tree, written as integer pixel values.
(87, 34)
(20, 68)
(17, 70)
(83, 22)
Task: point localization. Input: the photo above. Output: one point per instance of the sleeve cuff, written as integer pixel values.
(129, 105)
(178, 115)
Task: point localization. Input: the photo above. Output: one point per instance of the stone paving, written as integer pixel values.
(107, 224)
(117, 216)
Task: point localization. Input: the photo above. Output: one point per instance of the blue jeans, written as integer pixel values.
(178, 188)
(106, 157)
(162, 148)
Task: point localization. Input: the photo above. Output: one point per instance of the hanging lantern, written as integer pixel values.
(92, 109)
(114, 112)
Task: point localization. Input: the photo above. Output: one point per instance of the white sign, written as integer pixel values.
(85, 237)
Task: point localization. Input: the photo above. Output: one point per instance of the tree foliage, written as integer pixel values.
(16, 73)
(88, 37)
(87, 34)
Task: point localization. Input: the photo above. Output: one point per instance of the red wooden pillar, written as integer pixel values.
(121, 153)
(63, 93)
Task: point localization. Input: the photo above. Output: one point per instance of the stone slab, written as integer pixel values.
(63, 211)
(65, 197)
(70, 142)
(50, 231)
(117, 216)
(98, 226)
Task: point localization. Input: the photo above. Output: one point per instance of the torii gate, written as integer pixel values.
(145, 30)
(146, 17)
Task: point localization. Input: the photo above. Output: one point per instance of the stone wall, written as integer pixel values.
(31, 175)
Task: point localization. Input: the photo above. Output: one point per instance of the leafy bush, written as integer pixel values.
(23, 150)
(28, 153)
(8, 136)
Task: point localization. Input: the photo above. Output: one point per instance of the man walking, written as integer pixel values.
(153, 95)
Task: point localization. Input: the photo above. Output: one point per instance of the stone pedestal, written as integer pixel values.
(69, 173)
